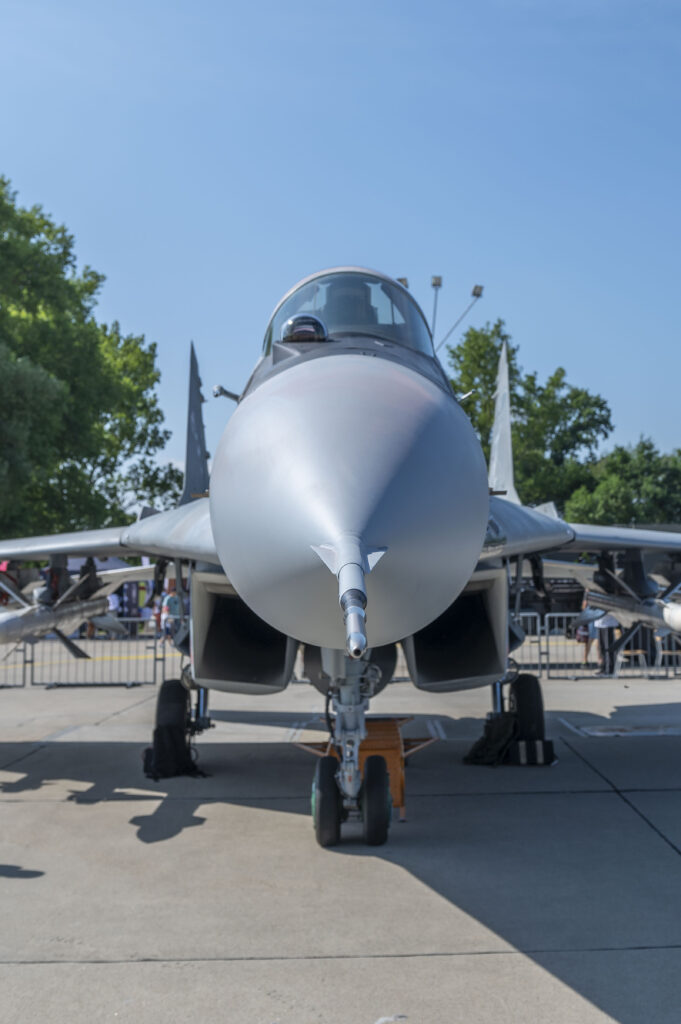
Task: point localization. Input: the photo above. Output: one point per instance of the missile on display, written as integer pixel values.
(652, 612)
(40, 619)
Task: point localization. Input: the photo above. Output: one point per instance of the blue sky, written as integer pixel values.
(208, 155)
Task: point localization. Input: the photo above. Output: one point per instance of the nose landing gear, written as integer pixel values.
(374, 804)
(339, 791)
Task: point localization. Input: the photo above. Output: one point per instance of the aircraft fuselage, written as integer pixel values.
(349, 450)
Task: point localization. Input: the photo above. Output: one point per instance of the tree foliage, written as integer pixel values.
(80, 424)
(630, 486)
(556, 427)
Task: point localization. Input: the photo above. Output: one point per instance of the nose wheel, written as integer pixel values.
(375, 801)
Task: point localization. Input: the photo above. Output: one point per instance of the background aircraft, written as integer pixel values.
(348, 510)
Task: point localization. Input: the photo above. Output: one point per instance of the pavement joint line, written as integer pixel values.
(309, 958)
(252, 799)
(434, 726)
(53, 736)
(571, 727)
(122, 711)
(39, 745)
(622, 795)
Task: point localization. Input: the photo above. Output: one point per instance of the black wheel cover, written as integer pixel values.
(376, 801)
(525, 701)
(326, 802)
(171, 750)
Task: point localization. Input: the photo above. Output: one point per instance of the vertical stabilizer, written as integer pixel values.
(501, 454)
(196, 475)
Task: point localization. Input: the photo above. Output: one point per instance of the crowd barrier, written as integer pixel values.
(530, 655)
(137, 657)
(646, 653)
(142, 657)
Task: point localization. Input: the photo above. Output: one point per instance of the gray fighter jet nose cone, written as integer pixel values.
(348, 446)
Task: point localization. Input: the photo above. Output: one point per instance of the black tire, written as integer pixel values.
(172, 705)
(376, 801)
(171, 750)
(526, 703)
(327, 805)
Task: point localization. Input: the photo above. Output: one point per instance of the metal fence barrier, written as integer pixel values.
(138, 657)
(530, 656)
(563, 656)
(142, 657)
(645, 653)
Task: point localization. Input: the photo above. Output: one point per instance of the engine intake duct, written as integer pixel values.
(233, 648)
(466, 645)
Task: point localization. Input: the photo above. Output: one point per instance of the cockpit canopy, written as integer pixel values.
(355, 302)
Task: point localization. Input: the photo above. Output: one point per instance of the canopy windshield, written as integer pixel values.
(352, 302)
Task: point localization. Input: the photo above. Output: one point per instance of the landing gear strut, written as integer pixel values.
(339, 791)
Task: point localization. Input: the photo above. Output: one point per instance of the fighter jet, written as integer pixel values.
(348, 511)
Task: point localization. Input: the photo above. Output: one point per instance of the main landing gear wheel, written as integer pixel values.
(327, 807)
(172, 705)
(525, 701)
(171, 751)
(376, 801)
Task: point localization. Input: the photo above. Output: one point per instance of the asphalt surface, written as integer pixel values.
(510, 894)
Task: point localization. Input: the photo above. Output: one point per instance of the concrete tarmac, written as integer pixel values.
(547, 894)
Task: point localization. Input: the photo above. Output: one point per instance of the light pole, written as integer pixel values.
(437, 284)
(477, 294)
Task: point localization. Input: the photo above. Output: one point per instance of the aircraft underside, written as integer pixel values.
(233, 650)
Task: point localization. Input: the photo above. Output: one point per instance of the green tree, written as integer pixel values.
(634, 485)
(556, 427)
(79, 418)
(27, 427)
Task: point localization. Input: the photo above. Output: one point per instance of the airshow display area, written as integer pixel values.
(348, 519)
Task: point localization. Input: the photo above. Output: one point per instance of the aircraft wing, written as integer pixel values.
(516, 530)
(97, 543)
(183, 532)
(621, 538)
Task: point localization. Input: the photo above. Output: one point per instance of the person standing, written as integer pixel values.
(170, 612)
(606, 626)
(586, 634)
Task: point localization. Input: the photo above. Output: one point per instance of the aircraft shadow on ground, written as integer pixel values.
(541, 863)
